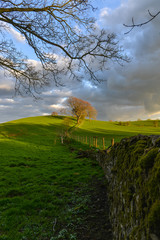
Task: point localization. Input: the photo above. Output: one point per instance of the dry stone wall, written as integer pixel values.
(132, 168)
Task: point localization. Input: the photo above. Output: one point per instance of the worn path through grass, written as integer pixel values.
(46, 192)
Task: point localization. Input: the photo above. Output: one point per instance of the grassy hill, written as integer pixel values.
(116, 130)
(45, 190)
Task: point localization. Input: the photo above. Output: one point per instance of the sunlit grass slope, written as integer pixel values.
(44, 187)
(116, 130)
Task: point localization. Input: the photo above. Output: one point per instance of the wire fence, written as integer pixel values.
(91, 141)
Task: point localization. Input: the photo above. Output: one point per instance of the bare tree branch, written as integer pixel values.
(54, 28)
(133, 25)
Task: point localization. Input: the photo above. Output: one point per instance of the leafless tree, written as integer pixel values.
(54, 29)
(133, 24)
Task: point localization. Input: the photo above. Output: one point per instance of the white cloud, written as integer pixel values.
(105, 12)
(44, 114)
(7, 100)
(4, 106)
(19, 37)
(56, 106)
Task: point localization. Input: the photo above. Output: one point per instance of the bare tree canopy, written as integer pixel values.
(54, 28)
(81, 109)
(133, 24)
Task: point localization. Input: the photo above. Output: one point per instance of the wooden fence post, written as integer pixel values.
(93, 141)
(90, 141)
(103, 143)
(112, 142)
(96, 141)
(62, 139)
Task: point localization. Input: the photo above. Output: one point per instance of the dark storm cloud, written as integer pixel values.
(6, 92)
(133, 91)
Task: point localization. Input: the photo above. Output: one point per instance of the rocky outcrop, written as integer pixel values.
(132, 168)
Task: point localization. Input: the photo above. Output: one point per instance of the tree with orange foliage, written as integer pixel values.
(81, 109)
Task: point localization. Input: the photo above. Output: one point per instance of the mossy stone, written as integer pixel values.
(154, 218)
(147, 161)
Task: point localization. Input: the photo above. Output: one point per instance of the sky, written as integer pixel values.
(129, 92)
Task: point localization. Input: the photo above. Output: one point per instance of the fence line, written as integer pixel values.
(93, 141)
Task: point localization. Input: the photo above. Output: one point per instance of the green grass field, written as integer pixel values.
(110, 130)
(44, 187)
